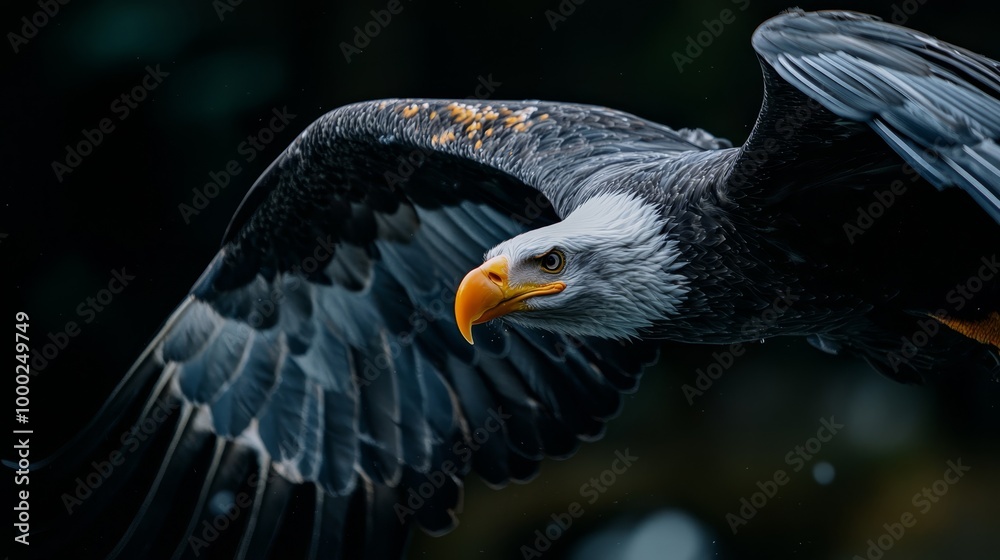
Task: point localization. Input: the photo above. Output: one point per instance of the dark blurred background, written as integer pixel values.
(224, 68)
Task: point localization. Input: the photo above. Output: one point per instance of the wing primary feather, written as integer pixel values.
(263, 472)
(119, 400)
(166, 472)
(220, 447)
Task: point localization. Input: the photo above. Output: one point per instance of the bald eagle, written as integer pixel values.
(316, 366)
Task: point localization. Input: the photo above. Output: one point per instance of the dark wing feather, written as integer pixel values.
(318, 350)
(853, 107)
(936, 105)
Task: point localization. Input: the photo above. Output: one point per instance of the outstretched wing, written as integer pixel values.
(319, 345)
(857, 111)
(830, 77)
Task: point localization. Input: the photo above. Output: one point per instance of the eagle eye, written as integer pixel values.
(553, 261)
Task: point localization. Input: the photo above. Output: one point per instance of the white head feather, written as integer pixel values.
(621, 269)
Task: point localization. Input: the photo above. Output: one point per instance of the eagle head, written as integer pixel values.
(610, 269)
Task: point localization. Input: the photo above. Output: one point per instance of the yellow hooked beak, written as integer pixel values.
(484, 294)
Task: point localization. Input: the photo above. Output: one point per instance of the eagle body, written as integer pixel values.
(852, 257)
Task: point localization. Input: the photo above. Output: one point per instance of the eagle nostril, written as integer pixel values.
(495, 278)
